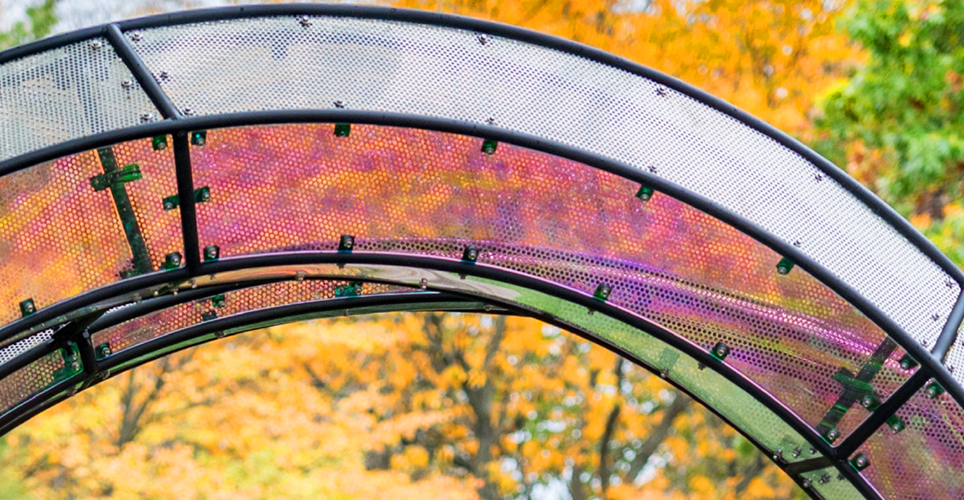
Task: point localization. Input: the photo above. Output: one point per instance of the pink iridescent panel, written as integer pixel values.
(925, 459)
(299, 187)
(60, 237)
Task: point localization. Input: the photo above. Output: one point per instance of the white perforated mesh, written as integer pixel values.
(67, 93)
(10, 352)
(277, 63)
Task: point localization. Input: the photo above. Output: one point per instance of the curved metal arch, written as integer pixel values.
(931, 361)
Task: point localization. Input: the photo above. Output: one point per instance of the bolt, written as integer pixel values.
(29, 307)
(805, 483)
(487, 307)
(664, 373)
(300, 276)
(96, 44)
(490, 120)
(482, 39)
(305, 21)
(824, 479)
(193, 283)
(137, 36)
(867, 401)
(795, 453)
(127, 84)
(168, 205)
(146, 117)
(75, 366)
(164, 75)
(833, 434)
(423, 284)
(896, 427)
(813, 451)
(652, 169)
(661, 91)
(797, 243)
(931, 392)
(722, 351)
(210, 252)
(818, 177)
(861, 461)
(188, 112)
(339, 104)
(778, 455)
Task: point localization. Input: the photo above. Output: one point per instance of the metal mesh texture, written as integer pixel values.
(67, 93)
(429, 193)
(832, 485)
(925, 460)
(955, 357)
(12, 351)
(29, 380)
(277, 63)
(144, 328)
(67, 237)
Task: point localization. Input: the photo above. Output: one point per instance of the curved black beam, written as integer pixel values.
(523, 35)
(141, 73)
(920, 353)
(949, 333)
(143, 352)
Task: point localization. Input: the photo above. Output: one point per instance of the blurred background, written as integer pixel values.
(472, 406)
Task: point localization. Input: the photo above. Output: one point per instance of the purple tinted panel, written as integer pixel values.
(156, 324)
(59, 237)
(924, 461)
(29, 380)
(301, 187)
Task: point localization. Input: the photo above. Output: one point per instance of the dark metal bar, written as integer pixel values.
(141, 257)
(878, 417)
(185, 198)
(949, 333)
(39, 402)
(448, 20)
(848, 396)
(141, 72)
(804, 466)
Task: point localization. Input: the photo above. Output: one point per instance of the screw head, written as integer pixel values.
(96, 44)
(137, 36)
(661, 91)
(164, 75)
(146, 117)
(347, 242)
(867, 401)
(833, 434)
(339, 104)
(722, 350)
(664, 373)
(483, 39)
(423, 284)
(211, 252)
(861, 461)
(168, 205)
(29, 307)
(188, 112)
(896, 427)
(127, 84)
(805, 483)
(795, 453)
(75, 366)
(305, 21)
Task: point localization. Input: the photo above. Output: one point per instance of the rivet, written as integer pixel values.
(423, 284)
(860, 462)
(652, 169)
(212, 252)
(805, 483)
(127, 84)
(146, 117)
(27, 307)
(818, 177)
(784, 266)
(645, 193)
(96, 44)
(137, 36)
(193, 283)
(487, 308)
(949, 284)
(602, 292)
(832, 435)
(720, 351)
(339, 104)
(661, 91)
(300, 276)
(795, 453)
(778, 455)
(346, 243)
(174, 292)
(75, 366)
(188, 112)
(483, 39)
(490, 120)
(164, 75)
(305, 21)
(813, 451)
(664, 373)
(470, 254)
(824, 479)
(797, 243)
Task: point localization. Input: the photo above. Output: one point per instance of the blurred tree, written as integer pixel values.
(40, 21)
(896, 123)
(429, 406)
(770, 58)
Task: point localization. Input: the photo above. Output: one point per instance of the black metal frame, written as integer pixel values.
(179, 126)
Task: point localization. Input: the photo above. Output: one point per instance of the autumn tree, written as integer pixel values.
(896, 124)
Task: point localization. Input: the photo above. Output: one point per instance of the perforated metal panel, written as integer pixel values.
(418, 192)
(153, 325)
(67, 93)
(925, 460)
(278, 63)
